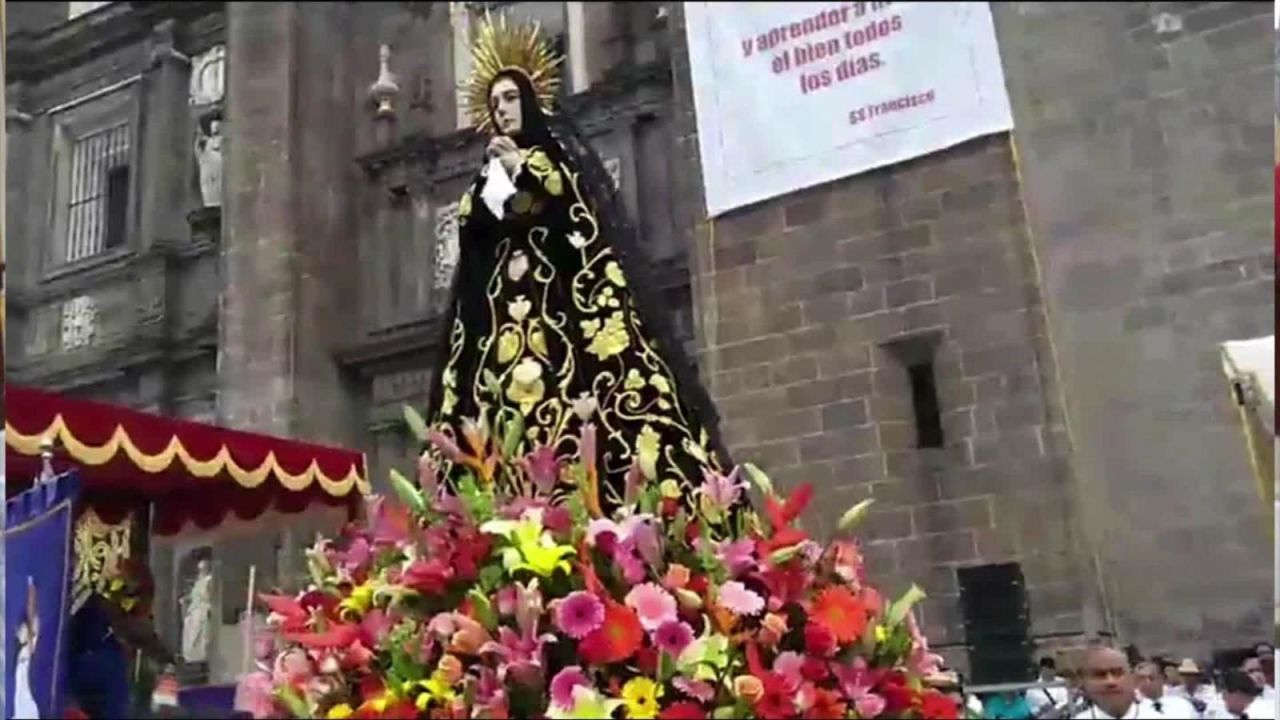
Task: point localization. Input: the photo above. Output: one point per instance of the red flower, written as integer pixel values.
(647, 661)
(841, 612)
(778, 698)
(692, 531)
(814, 670)
(670, 506)
(819, 641)
(934, 704)
(337, 636)
(898, 698)
(616, 640)
(786, 584)
(371, 687)
(429, 577)
(827, 705)
(683, 711)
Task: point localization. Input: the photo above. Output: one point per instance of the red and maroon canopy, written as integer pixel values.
(190, 471)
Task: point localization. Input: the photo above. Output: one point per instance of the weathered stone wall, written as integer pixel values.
(801, 299)
(1145, 132)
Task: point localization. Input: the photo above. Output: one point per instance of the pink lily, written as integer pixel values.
(721, 492)
(543, 469)
(856, 682)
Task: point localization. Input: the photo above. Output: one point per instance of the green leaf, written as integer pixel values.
(491, 382)
(407, 493)
(511, 441)
(484, 613)
(491, 578)
(296, 704)
(758, 477)
(666, 667)
(782, 555)
(854, 515)
(417, 425)
(900, 607)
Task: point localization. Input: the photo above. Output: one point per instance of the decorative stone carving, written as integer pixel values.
(613, 166)
(385, 89)
(209, 157)
(446, 256)
(79, 322)
(208, 76)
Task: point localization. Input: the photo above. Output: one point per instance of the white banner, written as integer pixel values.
(791, 95)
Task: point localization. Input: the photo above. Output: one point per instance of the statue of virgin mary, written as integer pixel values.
(552, 315)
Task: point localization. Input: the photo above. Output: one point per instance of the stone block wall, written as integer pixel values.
(1146, 137)
(809, 305)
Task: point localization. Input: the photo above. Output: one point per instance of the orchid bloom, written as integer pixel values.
(543, 468)
(856, 682)
(532, 547)
(719, 493)
(705, 657)
(588, 704)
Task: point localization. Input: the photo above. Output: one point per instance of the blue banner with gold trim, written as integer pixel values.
(38, 564)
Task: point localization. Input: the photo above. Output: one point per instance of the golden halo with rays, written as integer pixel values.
(501, 46)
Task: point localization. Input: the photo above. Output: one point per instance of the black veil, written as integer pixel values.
(563, 142)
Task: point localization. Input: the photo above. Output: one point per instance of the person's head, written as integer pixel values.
(1264, 649)
(1238, 690)
(1252, 666)
(1170, 670)
(1048, 668)
(514, 108)
(1108, 681)
(1189, 674)
(1149, 679)
(203, 566)
(1268, 663)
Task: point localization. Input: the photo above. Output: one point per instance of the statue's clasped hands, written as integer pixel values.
(505, 149)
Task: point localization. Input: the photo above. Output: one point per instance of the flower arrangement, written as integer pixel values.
(473, 603)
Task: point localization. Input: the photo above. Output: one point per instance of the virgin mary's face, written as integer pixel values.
(504, 99)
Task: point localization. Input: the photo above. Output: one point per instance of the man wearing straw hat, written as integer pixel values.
(1202, 697)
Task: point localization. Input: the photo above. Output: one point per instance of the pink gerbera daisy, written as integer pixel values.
(737, 599)
(579, 614)
(653, 605)
(673, 637)
(696, 689)
(564, 682)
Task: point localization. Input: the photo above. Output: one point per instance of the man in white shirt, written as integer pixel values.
(1150, 682)
(1242, 699)
(1109, 685)
(1202, 697)
(1043, 699)
(1253, 667)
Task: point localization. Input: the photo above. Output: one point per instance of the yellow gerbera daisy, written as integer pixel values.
(640, 697)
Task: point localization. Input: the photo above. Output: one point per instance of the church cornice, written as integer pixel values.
(624, 96)
(33, 56)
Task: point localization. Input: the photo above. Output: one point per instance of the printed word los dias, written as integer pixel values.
(847, 69)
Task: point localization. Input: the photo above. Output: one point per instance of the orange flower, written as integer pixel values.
(841, 612)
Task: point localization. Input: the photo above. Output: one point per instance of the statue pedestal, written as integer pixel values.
(206, 224)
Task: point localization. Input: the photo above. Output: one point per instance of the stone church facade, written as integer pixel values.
(1054, 295)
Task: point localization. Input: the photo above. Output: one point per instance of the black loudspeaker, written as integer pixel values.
(993, 599)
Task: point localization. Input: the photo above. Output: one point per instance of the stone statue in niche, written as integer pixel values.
(196, 606)
(209, 158)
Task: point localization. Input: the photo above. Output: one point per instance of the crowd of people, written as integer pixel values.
(1111, 684)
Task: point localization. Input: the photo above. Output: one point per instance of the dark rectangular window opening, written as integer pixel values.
(993, 602)
(117, 205)
(924, 402)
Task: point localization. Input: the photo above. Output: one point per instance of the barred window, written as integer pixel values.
(98, 201)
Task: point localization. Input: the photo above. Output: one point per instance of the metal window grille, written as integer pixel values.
(99, 192)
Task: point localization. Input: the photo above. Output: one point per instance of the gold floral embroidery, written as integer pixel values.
(540, 165)
(660, 384)
(577, 239)
(612, 338)
(526, 387)
(464, 206)
(538, 341)
(517, 266)
(519, 308)
(448, 402)
(590, 328)
(635, 380)
(614, 273)
(508, 346)
(648, 446)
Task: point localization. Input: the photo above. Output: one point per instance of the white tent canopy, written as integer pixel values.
(1253, 363)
